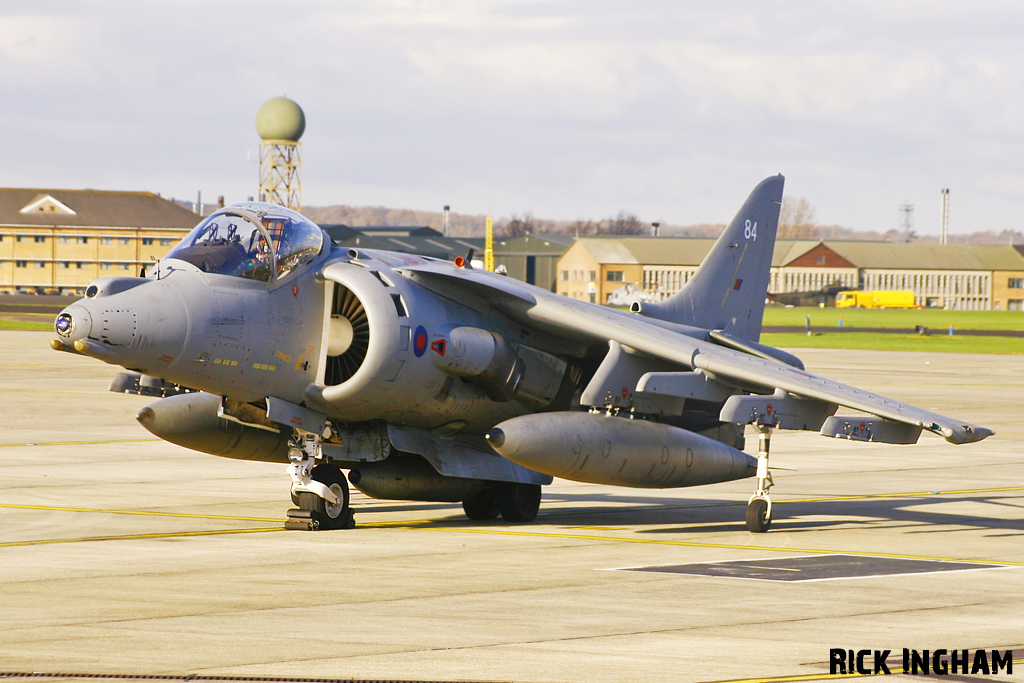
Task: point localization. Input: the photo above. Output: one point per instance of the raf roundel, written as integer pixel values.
(419, 341)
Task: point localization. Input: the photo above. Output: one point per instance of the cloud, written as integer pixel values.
(570, 108)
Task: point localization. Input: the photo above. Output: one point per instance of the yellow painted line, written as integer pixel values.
(74, 443)
(187, 515)
(802, 677)
(726, 546)
(94, 392)
(136, 537)
(142, 513)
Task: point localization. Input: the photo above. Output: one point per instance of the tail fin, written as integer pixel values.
(728, 290)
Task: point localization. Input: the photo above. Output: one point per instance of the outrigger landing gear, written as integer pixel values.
(759, 509)
(319, 491)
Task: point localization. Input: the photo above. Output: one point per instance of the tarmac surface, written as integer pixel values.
(122, 556)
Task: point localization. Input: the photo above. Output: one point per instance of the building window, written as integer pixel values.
(614, 276)
(18, 238)
(1015, 305)
(40, 239)
(593, 275)
(83, 240)
(106, 266)
(80, 265)
(40, 264)
(165, 241)
(65, 265)
(21, 264)
(126, 241)
(1016, 283)
(565, 276)
(147, 241)
(821, 259)
(126, 266)
(106, 240)
(593, 298)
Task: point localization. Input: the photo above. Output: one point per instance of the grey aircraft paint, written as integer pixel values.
(264, 342)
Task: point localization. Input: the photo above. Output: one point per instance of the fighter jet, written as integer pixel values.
(432, 380)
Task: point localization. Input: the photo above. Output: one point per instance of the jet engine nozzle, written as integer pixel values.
(602, 449)
(486, 359)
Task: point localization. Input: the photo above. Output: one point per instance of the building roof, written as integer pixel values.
(912, 256)
(675, 251)
(433, 245)
(533, 245)
(91, 208)
(686, 251)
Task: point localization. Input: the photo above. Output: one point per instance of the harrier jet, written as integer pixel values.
(431, 380)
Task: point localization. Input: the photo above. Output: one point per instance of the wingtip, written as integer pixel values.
(969, 434)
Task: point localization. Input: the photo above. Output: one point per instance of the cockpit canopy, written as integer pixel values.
(253, 240)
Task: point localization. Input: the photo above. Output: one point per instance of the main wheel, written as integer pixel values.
(518, 502)
(483, 505)
(328, 515)
(757, 516)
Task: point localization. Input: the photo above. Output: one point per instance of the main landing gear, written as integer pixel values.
(515, 502)
(759, 509)
(320, 492)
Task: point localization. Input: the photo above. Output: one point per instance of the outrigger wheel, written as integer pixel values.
(758, 520)
(759, 509)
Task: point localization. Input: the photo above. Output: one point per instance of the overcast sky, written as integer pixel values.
(569, 109)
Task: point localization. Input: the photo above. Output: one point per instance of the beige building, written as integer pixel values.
(963, 277)
(57, 241)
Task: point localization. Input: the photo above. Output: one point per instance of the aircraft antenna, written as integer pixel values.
(280, 123)
(489, 245)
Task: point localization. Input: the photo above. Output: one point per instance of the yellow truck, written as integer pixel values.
(876, 299)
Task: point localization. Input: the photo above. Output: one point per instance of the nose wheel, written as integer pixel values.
(320, 492)
(759, 508)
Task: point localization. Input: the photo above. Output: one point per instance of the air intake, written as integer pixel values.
(348, 337)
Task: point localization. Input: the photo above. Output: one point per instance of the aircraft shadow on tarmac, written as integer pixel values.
(909, 514)
(913, 514)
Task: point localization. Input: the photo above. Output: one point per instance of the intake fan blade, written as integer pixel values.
(341, 367)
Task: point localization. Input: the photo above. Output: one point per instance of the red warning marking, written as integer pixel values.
(438, 346)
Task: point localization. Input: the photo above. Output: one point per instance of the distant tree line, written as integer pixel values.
(797, 220)
(624, 223)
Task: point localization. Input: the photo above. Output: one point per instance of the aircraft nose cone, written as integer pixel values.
(73, 323)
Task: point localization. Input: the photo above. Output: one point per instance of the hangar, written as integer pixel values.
(57, 241)
(953, 276)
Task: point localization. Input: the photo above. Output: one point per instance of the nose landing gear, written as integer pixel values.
(320, 492)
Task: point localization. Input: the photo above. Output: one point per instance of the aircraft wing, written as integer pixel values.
(561, 316)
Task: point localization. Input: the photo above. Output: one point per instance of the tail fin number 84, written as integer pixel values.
(750, 230)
